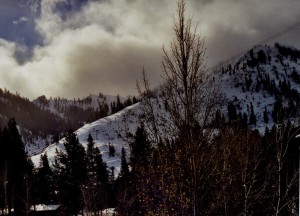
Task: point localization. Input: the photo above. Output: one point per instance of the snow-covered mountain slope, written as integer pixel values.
(260, 79)
(68, 114)
(111, 130)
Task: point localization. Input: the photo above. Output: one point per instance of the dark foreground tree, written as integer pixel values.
(15, 171)
(124, 171)
(133, 187)
(94, 189)
(71, 175)
(44, 183)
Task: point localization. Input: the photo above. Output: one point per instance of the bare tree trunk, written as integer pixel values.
(190, 102)
(284, 183)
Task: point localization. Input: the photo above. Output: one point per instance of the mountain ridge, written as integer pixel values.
(253, 87)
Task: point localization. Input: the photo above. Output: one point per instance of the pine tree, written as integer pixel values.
(252, 118)
(45, 188)
(278, 111)
(112, 150)
(119, 105)
(134, 100)
(140, 149)
(102, 180)
(94, 192)
(16, 171)
(244, 120)
(91, 154)
(133, 187)
(124, 172)
(72, 174)
(232, 114)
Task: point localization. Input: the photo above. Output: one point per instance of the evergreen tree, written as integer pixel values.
(72, 174)
(140, 149)
(102, 179)
(113, 107)
(91, 154)
(244, 120)
(134, 100)
(112, 150)
(16, 171)
(94, 192)
(102, 172)
(232, 114)
(45, 188)
(252, 119)
(278, 111)
(127, 102)
(120, 105)
(262, 57)
(124, 172)
(134, 187)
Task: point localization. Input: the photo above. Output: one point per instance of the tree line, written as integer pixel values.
(79, 178)
(239, 171)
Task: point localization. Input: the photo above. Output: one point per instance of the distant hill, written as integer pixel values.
(44, 121)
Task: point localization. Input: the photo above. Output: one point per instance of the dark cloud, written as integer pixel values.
(83, 47)
(112, 69)
(233, 26)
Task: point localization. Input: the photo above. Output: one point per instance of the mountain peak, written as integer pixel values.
(261, 77)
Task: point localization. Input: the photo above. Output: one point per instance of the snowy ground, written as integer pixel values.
(42, 207)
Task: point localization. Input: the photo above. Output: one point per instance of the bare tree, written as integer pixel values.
(180, 119)
(190, 99)
(239, 178)
(286, 174)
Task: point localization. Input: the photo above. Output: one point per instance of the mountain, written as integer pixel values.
(37, 126)
(265, 78)
(260, 88)
(43, 121)
(85, 110)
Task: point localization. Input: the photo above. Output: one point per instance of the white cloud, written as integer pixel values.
(10, 76)
(21, 20)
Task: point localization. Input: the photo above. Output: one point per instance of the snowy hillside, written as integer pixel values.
(261, 77)
(71, 114)
(264, 81)
(109, 130)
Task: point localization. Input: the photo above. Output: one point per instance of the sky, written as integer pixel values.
(73, 48)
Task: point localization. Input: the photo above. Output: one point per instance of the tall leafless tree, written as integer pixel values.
(188, 100)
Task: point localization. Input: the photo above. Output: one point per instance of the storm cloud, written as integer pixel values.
(94, 46)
